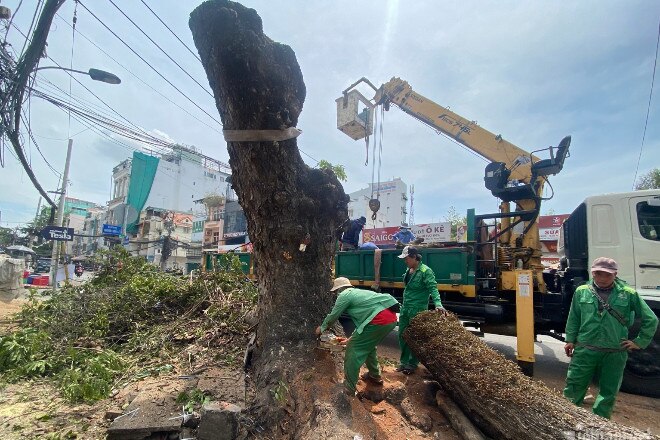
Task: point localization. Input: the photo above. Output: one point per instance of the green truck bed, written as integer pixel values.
(453, 267)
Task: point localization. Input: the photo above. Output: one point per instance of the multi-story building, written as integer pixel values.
(393, 196)
(75, 213)
(93, 230)
(121, 175)
(213, 226)
(157, 226)
(169, 182)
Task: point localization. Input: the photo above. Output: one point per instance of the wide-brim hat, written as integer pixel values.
(340, 282)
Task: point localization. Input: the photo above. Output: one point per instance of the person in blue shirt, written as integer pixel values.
(404, 235)
(351, 238)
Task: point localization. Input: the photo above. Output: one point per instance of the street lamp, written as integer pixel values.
(95, 74)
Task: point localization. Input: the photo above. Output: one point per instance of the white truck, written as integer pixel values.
(625, 227)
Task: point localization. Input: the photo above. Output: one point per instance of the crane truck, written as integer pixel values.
(496, 281)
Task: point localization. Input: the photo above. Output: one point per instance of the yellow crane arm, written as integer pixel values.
(483, 142)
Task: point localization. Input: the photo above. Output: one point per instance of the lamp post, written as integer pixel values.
(96, 75)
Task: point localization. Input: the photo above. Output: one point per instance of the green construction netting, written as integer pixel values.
(143, 171)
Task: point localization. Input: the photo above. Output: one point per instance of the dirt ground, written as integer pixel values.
(33, 409)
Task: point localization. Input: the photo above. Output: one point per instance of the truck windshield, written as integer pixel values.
(648, 218)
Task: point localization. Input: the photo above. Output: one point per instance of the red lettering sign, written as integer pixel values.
(379, 236)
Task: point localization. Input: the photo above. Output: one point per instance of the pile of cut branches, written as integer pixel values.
(129, 321)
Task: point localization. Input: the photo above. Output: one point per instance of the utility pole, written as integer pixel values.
(35, 239)
(60, 216)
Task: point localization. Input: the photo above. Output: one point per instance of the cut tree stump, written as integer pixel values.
(293, 211)
(491, 390)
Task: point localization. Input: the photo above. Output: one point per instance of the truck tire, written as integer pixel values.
(642, 373)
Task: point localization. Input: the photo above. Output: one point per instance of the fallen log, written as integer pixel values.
(459, 421)
(491, 390)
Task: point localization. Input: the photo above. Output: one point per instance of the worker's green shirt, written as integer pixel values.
(420, 285)
(587, 326)
(361, 305)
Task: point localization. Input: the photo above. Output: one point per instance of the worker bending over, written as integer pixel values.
(374, 316)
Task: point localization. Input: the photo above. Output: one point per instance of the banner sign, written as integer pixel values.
(549, 226)
(111, 229)
(234, 234)
(433, 232)
(461, 233)
(57, 233)
(549, 234)
(379, 236)
(552, 221)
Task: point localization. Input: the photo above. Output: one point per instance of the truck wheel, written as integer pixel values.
(642, 373)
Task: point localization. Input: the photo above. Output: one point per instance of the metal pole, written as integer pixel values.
(60, 216)
(36, 218)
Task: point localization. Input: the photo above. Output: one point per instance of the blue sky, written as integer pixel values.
(531, 71)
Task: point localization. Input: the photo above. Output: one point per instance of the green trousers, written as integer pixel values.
(584, 365)
(408, 359)
(361, 349)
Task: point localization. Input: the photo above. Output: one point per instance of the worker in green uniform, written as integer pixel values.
(374, 316)
(601, 313)
(420, 284)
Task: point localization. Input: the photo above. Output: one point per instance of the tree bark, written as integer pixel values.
(491, 390)
(258, 85)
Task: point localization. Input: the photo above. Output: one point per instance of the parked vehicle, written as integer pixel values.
(42, 265)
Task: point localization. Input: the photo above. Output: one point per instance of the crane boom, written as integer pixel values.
(483, 142)
(513, 174)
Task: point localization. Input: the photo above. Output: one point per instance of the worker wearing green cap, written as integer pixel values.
(420, 285)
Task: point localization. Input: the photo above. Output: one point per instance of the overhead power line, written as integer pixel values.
(160, 48)
(15, 80)
(71, 76)
(37, 12)
(36, 145)
(648, 108)
(147, 63)
(167, 98)
(172, 32)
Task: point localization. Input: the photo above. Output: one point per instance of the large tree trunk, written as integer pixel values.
(503, 403)
(258, 85)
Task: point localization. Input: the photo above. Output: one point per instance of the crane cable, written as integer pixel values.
(374, 203)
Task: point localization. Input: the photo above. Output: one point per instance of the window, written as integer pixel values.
(648, 219)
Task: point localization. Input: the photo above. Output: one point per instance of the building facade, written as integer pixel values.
(93, 230)
(163, 232)
(75, 213)
(393, 197)
(171, 182)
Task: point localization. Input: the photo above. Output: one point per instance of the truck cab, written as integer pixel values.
(625, 227)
